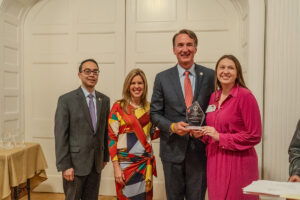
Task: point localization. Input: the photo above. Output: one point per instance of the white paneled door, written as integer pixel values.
(11, 108)
(120, 35)
(59, 34)
(150, 26)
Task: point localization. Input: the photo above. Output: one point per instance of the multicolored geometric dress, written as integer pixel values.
(130, 144)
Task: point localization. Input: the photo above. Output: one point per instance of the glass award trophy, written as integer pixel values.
(194, 116)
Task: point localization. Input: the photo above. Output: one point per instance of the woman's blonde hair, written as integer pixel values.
(126, 96)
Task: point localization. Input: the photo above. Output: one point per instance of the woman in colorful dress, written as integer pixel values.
(130, 133)
(233, 129)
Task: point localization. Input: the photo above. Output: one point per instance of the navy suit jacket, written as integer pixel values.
(168, 106)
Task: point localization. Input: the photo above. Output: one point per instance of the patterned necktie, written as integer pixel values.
(92, 110)
(188, 90)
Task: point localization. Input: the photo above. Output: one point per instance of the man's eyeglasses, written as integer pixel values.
(88, 72)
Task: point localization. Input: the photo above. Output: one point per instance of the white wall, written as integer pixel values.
(282, 85)
(11, 67)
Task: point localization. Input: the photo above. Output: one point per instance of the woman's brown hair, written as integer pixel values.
(239, 79)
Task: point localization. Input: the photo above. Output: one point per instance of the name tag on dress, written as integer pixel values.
(211, 108)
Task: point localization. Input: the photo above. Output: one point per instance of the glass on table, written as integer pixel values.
(1, 143)
(6, 139)
(18, 138)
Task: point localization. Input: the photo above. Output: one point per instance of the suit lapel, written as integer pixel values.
(84, 106)
(174, 79)
(98, 105)
(198, 82)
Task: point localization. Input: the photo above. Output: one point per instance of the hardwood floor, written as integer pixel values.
(55, 196)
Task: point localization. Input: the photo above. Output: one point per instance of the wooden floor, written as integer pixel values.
(54, 196)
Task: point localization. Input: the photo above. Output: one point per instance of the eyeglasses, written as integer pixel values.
(88, 72)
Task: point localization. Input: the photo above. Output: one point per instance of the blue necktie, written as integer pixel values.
(92, 111)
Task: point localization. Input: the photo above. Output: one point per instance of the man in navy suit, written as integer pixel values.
(81, 134)
(183, 157)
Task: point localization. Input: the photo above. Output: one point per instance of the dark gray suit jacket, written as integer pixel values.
(76, 145)
(168, 106)
(294, 153)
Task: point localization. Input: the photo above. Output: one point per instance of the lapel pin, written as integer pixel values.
(99, 99)
(201, 73)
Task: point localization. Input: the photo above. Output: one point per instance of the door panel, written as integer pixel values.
(55, 44)
(150, 26)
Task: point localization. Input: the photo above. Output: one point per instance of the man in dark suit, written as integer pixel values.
(81, 135)
(183, 157)
(294, 156)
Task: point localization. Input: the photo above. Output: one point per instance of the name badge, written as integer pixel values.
(211, 108)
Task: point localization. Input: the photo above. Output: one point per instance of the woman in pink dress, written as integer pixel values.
(233, 129)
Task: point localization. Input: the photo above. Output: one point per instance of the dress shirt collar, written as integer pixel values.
(86, 93)
(181, 70)
(233, 92)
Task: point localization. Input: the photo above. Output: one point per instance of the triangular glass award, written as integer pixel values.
(195, 116)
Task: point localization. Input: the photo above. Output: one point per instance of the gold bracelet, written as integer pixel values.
(172, 127)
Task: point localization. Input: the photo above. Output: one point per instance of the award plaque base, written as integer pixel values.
(194, 127)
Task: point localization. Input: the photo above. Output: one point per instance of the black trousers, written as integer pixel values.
(188, 178)
(83, 187)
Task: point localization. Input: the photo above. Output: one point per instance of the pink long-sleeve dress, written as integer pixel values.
(232, 161)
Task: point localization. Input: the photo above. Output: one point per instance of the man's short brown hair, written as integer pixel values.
(190, 33)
